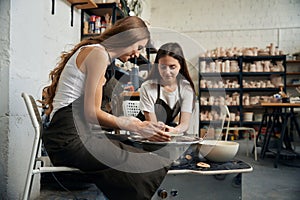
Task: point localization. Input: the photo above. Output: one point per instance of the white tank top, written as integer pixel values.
(71, 84)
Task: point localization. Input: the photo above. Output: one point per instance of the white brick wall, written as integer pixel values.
(228, 23)
(290, 39)
(31, 41)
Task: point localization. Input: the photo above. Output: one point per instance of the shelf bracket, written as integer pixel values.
(53, 5)
(72, 10)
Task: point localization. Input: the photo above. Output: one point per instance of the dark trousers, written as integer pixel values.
(120, 170)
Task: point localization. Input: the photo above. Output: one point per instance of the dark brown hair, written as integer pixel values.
(123, 33)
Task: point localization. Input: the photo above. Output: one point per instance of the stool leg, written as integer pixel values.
(294, 119)
(263, 121)
(247, 151)
(281, 140)
(28, 185)
(270, 124)
(255, 148)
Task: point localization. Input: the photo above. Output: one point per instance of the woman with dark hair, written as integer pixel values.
(168, 90)
(73, 100)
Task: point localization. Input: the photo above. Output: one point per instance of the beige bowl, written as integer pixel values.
(218, 151)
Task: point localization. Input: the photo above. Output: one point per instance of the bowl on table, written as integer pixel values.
(217, 150)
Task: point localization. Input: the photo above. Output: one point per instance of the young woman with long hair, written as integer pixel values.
(120, 170)
(169, 90)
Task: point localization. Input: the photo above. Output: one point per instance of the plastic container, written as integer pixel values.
(248, 116)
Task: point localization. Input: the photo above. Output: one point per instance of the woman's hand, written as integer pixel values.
(173, 130)
(154, 131)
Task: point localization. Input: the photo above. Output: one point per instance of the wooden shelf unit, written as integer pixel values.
(242, 90)
(83, 4)
(292, 75)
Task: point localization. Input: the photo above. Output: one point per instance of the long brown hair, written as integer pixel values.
(123, 33)
(174, 50)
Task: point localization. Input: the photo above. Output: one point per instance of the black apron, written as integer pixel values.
(163, 111)
(69, 142)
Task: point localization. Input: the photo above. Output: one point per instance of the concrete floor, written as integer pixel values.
(267, 182)
(264, 183)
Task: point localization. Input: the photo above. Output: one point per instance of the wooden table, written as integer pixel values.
(130, 94)
(278, 113)
(281, 105)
